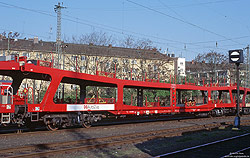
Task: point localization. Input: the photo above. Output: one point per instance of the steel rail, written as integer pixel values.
(115, 123)
(202, 145)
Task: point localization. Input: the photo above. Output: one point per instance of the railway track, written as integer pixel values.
(26, 131)
(38, 150)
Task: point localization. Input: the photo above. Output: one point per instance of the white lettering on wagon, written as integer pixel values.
(37, 108)
(8, 106)
(86, 107)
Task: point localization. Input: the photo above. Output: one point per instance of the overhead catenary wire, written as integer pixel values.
(111, 28)
(88, 23)
(212, 41)
(170, 9)
(170, 43)
(91, 25)
(203, 3)
(181, 20)
(157, 7)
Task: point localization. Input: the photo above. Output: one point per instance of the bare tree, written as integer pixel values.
(213, 60)
(131, 42)
(96, 38)
(144, 44)
(104, 39)
(10, 35)
(128, 42)
(216, 64)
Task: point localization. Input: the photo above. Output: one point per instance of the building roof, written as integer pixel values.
(81, 49)
(192, 66)
(199, 67)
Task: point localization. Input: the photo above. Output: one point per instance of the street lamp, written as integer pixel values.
(236, 56)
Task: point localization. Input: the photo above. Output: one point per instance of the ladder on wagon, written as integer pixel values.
(6, 98)
(5, 118)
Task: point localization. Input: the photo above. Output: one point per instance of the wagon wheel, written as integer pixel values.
(3, 124)
(52, 126)
(86, 124)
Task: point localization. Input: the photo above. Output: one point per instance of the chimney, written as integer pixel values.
(35, 40)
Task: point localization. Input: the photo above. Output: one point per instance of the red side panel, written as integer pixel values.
(7, 108)
(9, 65)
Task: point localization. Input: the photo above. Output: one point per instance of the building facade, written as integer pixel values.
(126, 63)
(221, 74)
(181, 67)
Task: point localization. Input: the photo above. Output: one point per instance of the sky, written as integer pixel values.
(183, 27)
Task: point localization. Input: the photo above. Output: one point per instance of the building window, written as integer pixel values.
(107, 65)
(83, 57)
(83, 68)
(72, 68)
(73, 57)
(125, 61)
(13, 53)
(155, 67)
(124, 70)
(73, 86)
(115, 60)
(133, 61)
(134, 71)
(39, 56)
(26, 54)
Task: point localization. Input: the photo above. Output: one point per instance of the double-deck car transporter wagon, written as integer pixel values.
(15, 107)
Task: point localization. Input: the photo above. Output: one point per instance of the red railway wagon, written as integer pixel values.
(130, 97)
